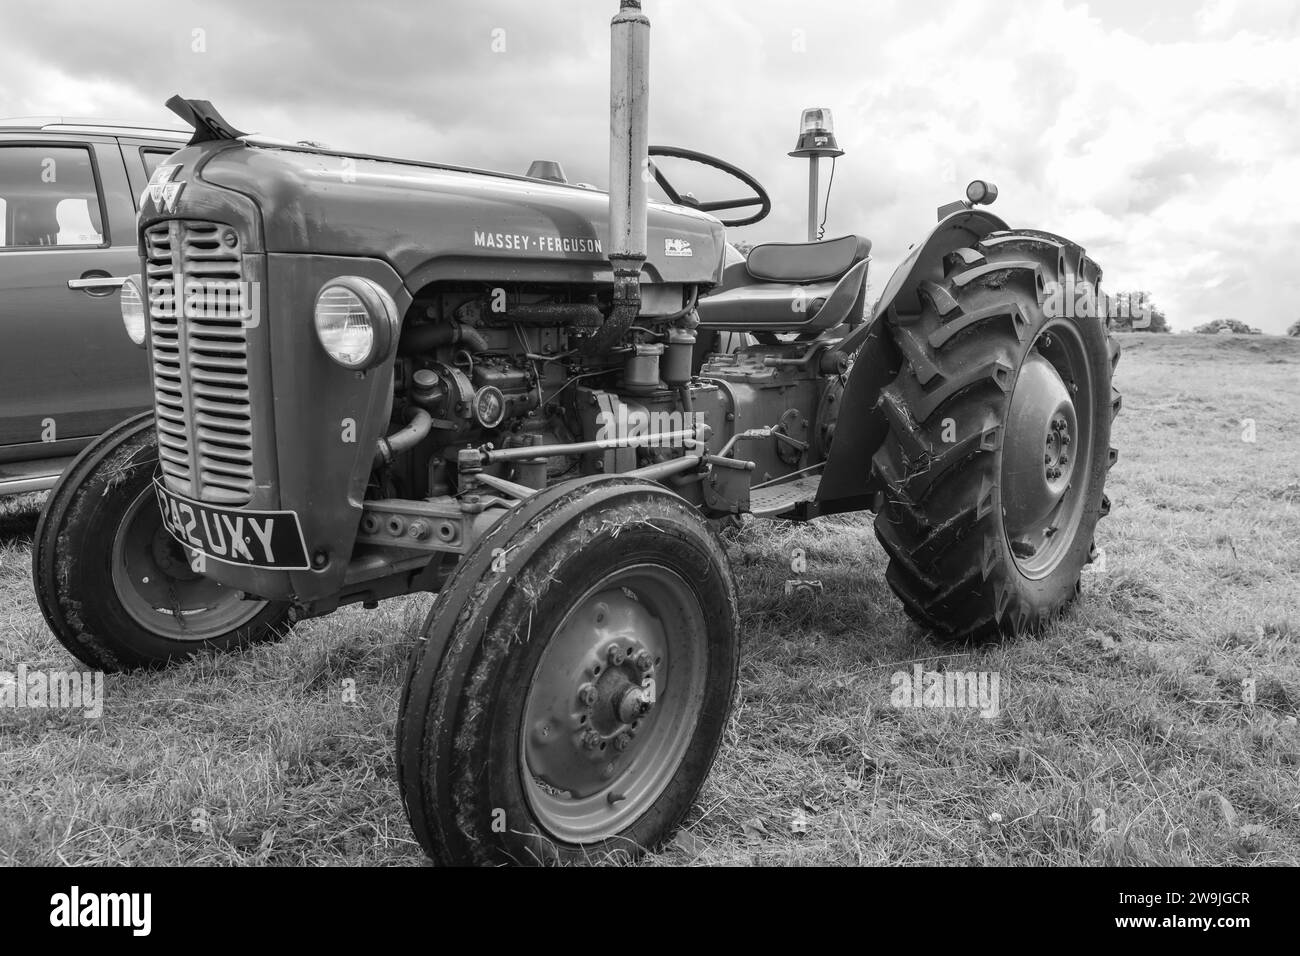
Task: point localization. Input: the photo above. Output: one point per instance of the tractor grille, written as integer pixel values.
(200, 359)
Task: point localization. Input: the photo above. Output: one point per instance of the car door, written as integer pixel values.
(142, 157)
(67, 239)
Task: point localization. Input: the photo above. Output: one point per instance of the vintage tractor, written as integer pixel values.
(375, 377)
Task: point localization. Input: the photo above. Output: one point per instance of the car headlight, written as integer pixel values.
(356, 321)
(133, 316)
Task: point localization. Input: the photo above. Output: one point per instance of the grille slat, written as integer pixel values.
(233, 363)
(222, 487)
(200, 359)
(222, 422)
(217, 392)
(233, 469)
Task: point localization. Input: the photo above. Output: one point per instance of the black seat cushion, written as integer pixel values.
(807, 261)
(788, 306)
(769, 306)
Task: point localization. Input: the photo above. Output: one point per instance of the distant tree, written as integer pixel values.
(1294, 331)
(743, 247)
(1227, 325)
(1135, 311)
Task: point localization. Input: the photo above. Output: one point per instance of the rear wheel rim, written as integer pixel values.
(593, 755)
(1047, 451)
(160, 591)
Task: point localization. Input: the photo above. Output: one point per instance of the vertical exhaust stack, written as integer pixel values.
(629, 169)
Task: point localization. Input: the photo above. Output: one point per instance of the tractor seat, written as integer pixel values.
(792, 287)
(802, 262)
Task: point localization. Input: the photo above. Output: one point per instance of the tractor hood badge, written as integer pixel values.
(162, 190)
(678, 248)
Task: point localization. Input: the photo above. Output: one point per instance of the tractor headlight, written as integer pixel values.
(981, 193)
(356, 321)
(133, 310)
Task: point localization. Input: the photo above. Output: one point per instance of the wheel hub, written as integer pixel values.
(610, 707)
(636, 702)
(169, 557)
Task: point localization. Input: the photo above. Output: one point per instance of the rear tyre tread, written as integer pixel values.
(949, 563)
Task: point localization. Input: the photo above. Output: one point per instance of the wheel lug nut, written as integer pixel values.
(588, 694)
(622, 742)
(1047, 459)
(1065, 460)
(644, 662)
(590, 740)
(616, 655)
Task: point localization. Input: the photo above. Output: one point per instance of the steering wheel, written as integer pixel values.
(760, 197)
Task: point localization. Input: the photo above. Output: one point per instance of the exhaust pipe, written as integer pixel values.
(629, 135)
(629, 166)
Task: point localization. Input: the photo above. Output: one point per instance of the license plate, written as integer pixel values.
(259, 539)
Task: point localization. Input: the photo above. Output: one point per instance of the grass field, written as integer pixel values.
(1126, 734)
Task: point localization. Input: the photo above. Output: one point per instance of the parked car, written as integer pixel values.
(69, 193)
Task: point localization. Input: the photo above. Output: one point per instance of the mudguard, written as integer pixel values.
(847, 483)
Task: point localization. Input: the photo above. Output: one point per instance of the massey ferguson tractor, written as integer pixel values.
(374, 377)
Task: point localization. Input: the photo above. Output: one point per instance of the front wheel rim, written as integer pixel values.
(160, 591)
(613, 703)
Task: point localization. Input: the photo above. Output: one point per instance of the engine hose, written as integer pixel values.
(687, 309)
(626, 307)
(404, 439)
(626, 310)
(424, 338)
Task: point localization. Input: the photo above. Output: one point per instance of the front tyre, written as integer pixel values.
(115, 588)
(574, 680)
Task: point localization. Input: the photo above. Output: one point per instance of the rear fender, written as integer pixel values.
(847, 483)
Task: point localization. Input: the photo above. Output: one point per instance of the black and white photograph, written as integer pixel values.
(639, 435)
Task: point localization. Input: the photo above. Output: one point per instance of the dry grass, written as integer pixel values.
(1132, 706)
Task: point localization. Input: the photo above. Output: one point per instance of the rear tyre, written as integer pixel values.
(998, 446)
(115, 588)
(574, 680)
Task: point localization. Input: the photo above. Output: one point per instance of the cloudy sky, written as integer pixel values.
(1162, 135)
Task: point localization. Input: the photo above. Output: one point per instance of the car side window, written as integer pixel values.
(153, 158)
(49, 197)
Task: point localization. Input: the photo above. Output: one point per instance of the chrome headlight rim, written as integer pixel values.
(132, 291)
(381, 311)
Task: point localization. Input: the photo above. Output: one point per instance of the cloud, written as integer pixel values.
(1161, 137)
